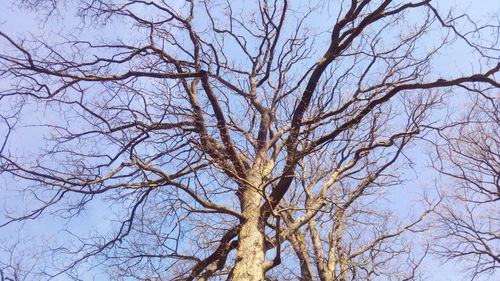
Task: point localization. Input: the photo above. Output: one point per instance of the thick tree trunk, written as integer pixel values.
(249, 264)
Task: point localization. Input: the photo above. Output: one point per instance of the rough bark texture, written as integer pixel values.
(250, 254)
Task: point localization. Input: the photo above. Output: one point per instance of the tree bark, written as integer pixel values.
(249, 265)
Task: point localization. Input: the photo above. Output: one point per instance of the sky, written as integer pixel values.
(29, 139)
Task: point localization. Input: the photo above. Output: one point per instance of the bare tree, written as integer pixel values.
(232, 141)
(20, 261)
(468, 223)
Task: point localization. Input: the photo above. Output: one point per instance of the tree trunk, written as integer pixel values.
(299, 246)
(249, 265)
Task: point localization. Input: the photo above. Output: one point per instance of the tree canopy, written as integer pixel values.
(250, 140)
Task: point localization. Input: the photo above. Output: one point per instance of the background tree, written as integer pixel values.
(242, 141)
(468, 220)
